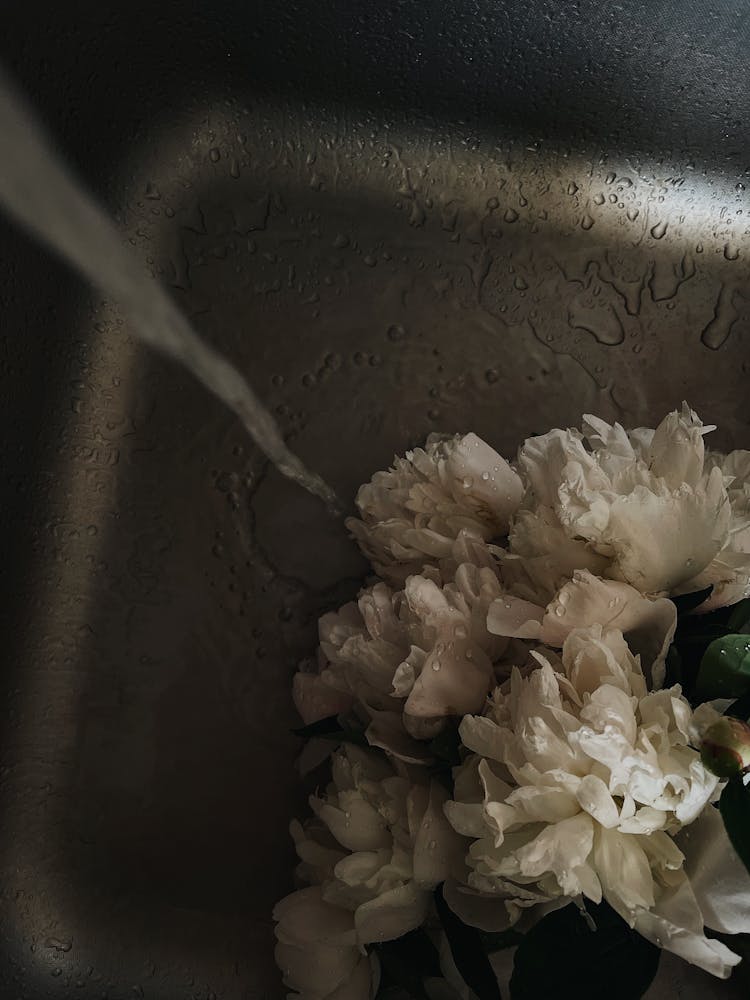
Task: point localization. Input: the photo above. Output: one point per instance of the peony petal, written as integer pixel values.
(661, 541)
(510, 616)
(481, 474)
(483, 910)
(674, 924)
(303, 919)
(356, 825)
(315, 700)
(438, 849)
(677, 450)
(392, 914)
(558, 848)
(594, 796)
(623, 868)
(466, 818)
(359, 986)
(318, 969)
(718, 878)
(452, 682)
(386, 731)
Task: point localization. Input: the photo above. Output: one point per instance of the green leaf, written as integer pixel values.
(562, 957)
(331, 729)
(734, 806)
(725, 668)
(739, 618)
(685, 603)
(405, 963)
(468, 952)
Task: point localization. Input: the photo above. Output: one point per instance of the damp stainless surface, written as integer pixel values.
(494, 222)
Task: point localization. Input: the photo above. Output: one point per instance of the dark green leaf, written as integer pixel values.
(405, 963)
(734, 805)
(725, 668)
(468, 953)
(561, 957)
(331, 729)
(740, 709)
(685, 603)
(739, 618)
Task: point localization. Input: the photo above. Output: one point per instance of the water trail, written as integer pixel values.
(39, 191)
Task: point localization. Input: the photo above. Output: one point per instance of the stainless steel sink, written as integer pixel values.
(396, 218)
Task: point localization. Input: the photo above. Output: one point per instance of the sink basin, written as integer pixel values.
(395, 220)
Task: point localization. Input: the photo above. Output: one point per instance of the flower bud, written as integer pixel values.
(726, 747)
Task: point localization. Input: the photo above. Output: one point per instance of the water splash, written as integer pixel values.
(39, 191)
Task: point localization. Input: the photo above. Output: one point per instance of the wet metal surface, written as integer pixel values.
(394, 221)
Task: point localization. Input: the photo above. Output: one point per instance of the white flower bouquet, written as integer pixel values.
(533, 723)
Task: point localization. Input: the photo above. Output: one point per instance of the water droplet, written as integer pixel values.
(610, 178)
(614, 602)
(637, 349)
(699, 248)
(492, 204)
(467, 482)
(587, 222)
(485, 476)
(659, 230)
(511, 215)
(433, 845)
(214, 155)
(731, 252)
(436, 665)
(396, 332)
(491, 375)
(559, 612)
(572, 188)
(370, 260)
(519, 283)
(598, 199)
(632, 214)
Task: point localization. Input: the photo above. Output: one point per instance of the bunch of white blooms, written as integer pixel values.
(526, 609)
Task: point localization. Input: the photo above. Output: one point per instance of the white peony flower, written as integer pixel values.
(642, 507)
(412, 515)
(317, 949)
(381, 843)
(729, 571)
(410, 658)
(581, 778)
(648, 625)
